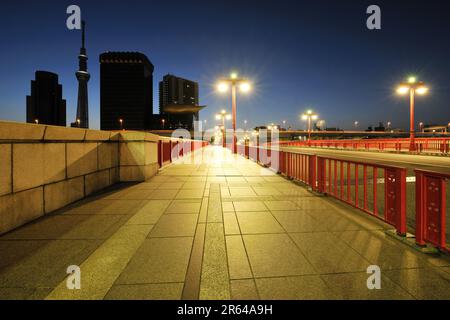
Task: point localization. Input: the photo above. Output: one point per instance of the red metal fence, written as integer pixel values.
(425, 145)
(170, 150)
(375, 189)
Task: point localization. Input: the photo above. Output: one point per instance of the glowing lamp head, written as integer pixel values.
(304, 117)
(403, 89)
(234, 75)
(228, 116)
(218, 116)
(314, 117)
(222, 87)
(245, 87)
(412, 79)
(422, 90)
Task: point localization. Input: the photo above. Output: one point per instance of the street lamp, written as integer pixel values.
(78, 122)
(36, 121)
(356, 125)
(163, 121)
(121, 123)
(308, 116)
(389, 125)
(412, 86)
(244, 86)
(222, 116)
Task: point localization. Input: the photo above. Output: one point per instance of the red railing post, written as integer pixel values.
(321, 174)
(312, 171)
(420, 210)
(395, 195)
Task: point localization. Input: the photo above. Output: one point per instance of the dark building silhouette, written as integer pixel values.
(126, 91)
(45, 105)
(83, 77)
(178, 103)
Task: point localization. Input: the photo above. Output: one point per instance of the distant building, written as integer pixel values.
(178, 103)
(126, 91)
(45, 105)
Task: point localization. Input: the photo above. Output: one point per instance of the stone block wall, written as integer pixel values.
(44, 168)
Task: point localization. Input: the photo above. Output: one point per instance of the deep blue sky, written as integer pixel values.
(298, 53)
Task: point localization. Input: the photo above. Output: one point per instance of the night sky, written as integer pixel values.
(298, 54)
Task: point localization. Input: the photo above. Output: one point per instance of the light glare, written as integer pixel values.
(422, 90)
(245, 87)
(222, 87)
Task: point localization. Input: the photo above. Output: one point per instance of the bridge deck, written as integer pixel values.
(218, 229)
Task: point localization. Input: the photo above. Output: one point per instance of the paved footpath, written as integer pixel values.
(214, 226)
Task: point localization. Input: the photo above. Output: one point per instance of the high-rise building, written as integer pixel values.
(45, 105)
(83, 77)
(126, 91)
(178, 102)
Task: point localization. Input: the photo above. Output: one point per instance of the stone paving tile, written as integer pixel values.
(150, 212)
(194, 185)
(68, 227)
(227, 206)
(298, 221)
(102, 206)
(171, 185)
(41, 263)
(238, 264)
(377, 248)
(175, 225)
(184, 206)
(190, 194)
(328, 254)
(24, 293)
(354, 286)
(273, 255)
(249, 206)
(294, 288)
(266, 191)
(243, 290)
(242, 192)
(104, 265)
(158, 260)
(258, 222)
(280, 205)
(163, 194)
(230, 223)
(159, 291)
(422, 283)
(137, 194)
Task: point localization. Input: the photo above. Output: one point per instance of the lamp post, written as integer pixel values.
(222, 116)
(78, 122)
(244, 86)
(121, 123)
(308, 116)
(163, 121)
(412, 86)
(421, 127)
(356, 125)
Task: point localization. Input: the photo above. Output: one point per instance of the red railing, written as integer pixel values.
(170, 150)
(431, 208)
(375, 189)
(426, 145)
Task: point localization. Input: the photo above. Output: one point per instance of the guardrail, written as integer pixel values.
(377, 190)
(426, 145)
(431, 208)
(170, 150)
